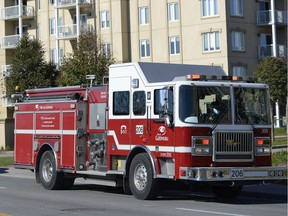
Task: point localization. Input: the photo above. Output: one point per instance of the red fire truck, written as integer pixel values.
(150, 125)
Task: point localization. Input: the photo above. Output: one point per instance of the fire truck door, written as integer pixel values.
(120, 115)
(161, 122)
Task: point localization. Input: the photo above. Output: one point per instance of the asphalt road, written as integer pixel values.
(21, 195)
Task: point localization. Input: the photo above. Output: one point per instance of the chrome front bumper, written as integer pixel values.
(206, 174)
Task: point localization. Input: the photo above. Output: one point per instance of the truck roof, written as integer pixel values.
(164, 72)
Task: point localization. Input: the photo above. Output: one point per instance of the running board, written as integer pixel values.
(102, 182)
(99, 173)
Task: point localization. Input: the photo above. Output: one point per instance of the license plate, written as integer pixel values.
(237, 173)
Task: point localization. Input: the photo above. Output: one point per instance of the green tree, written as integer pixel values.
(87, 58)
(29, 69)
(273, 72)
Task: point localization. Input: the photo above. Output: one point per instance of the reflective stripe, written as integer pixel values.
(120, 147)
(64, 132)
(178, 149)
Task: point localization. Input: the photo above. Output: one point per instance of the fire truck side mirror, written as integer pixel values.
(167, 118)
(168, 121)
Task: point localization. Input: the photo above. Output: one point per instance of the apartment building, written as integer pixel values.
(234, 34)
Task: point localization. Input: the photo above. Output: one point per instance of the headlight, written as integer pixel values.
(262, 146)
(201, 146)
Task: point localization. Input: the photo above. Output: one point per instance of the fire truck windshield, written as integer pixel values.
(251, 106)
(216, 105)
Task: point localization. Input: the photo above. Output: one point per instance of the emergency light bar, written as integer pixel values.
(198, 77)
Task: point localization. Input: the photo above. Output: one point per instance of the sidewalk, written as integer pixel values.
(6, 153)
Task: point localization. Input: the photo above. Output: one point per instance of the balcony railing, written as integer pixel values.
(265, 17)
(9, 42)
(72, 3)
(7, 102)
(266, 51)
(14, 13)
(70, 31)
(6, 69)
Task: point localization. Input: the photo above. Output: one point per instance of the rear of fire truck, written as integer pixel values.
(232, 138)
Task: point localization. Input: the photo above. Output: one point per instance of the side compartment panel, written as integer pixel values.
(23, 138)
(68, 151)
(68, 144)
(23, 153)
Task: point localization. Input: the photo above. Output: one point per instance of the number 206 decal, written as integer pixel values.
(139, 129)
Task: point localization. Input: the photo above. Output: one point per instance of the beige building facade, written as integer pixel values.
(233, 34)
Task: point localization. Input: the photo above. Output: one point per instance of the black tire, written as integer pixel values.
(142, 184)
(227, 192)
(126, 186)
(49, 177)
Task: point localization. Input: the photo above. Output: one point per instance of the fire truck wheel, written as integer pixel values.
(49, 177)
(227, 192)
(142, 183)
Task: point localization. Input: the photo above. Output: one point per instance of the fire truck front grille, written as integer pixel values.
(233, 146)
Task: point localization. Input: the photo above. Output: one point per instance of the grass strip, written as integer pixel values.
(6, 161)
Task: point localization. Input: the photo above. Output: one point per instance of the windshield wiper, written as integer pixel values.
(219, 119)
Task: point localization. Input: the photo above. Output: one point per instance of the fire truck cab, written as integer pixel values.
(149, 124)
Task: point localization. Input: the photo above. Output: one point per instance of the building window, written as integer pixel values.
(51, 2)
(52, 26)
(209, 8)
(236, 7)
(121, 103)
(24, 30)
(174, 43)
(83, 19)
(239, 71)
(139, 103)
(238, 41)
(210, 41)
(143, 16)
(106, 49)
(105, 19)
(53, 56)
(61, 56)
(173, 14)
(144, 48)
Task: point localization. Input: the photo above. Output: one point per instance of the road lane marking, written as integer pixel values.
(209, 212)
(2, 187)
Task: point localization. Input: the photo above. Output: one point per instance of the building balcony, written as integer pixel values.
(266, 51)
(6, 102)
(6, 69)
(69, 32)
(13, 13)
(9, 42)
(69, 4)
(265, 17)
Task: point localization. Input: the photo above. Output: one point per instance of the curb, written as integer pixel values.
(280, 146)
